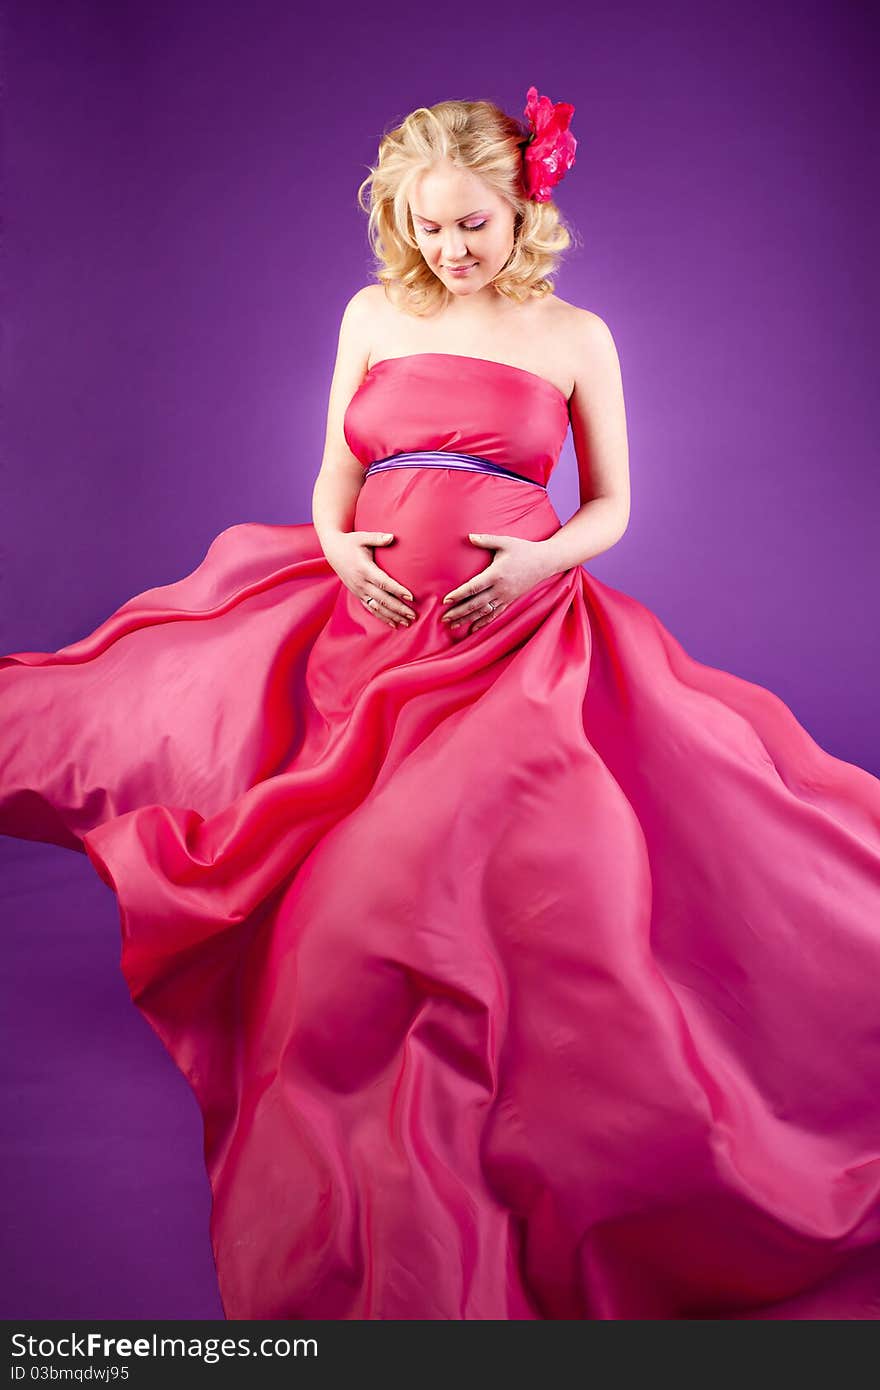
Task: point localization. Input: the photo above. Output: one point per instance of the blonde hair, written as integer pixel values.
(475, 135)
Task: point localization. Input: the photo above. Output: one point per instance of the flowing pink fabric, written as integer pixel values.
(527, 973)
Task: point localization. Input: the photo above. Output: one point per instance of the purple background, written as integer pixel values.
(181, 237)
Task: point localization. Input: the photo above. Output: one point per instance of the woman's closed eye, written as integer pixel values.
(473, 227)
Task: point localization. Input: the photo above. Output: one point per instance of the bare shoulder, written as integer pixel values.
(584, 330)
(591, 353)
(365, 313)
(576, 341)
(354, 343)
(365, 304)
(371, 296)
(357, 331)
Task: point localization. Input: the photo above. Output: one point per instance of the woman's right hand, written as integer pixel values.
(350, 554)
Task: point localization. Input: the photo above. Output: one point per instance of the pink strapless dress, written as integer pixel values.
(526, 973)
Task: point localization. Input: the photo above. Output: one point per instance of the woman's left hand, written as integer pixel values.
(518, 566)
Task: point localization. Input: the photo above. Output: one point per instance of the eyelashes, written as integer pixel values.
(474, 227)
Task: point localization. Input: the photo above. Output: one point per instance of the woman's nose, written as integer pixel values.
(454, 251)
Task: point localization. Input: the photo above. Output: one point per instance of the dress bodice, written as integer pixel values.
(473, 405)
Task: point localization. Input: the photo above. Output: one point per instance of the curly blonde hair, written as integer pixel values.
(475, 135)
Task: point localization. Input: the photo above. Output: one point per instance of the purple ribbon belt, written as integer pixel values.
(444, 458)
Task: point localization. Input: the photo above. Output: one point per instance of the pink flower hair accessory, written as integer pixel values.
(548, 153)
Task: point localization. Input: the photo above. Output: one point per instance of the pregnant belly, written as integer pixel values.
(430, 511)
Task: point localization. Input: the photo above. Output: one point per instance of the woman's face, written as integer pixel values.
(459, 221)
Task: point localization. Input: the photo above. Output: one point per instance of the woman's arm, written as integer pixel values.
(598, 425)
(341, 475)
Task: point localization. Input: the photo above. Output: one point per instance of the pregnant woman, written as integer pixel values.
(521, 965)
